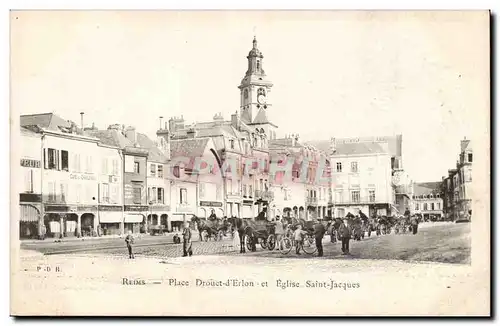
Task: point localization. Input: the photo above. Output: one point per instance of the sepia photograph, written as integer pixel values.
(249, 163)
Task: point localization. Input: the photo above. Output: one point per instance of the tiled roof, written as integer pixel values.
(361, 148)
(110, 137)
(425, 188)
(352, 148)
(48, 121)
(194, 147)
(154, 153)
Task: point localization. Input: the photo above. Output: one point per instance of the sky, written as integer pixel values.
(335, 74)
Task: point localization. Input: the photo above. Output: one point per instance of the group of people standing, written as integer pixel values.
(344, 232)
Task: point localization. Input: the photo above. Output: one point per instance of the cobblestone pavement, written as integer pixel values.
(447, 243)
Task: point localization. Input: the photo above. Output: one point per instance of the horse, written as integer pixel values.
(211, 227)
(244, 229)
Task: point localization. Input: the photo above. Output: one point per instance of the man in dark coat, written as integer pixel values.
(319, 233)
(345, 233)
(187, 244)
(212, 216)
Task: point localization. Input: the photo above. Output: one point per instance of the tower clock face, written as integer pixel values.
(261, 99)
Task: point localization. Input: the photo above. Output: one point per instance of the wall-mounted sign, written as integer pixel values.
(110, 208)
(210, 203)
(60, 208)
(88, 177)
(28, 163)
(135, 208)
(87, 208)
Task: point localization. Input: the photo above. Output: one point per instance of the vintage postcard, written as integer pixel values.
(250, 163)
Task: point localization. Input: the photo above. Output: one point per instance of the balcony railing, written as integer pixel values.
(312, 200)
(264, 195)
(356, 201)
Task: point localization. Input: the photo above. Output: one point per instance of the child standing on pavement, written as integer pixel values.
(298, 235)
(129, 240)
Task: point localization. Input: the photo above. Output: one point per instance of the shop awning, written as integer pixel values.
(111, 217)
(134, 218)
(29, 213)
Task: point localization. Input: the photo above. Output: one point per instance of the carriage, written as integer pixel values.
(261, 232)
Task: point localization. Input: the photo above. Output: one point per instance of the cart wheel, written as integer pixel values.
(248, 242)
(271, 242)
(263, 243)
(309, 245)
(287, 245)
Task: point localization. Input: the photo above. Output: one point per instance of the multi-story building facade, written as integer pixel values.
(69, 179)
(367, 175)
(427, 201)
(300, 179)
(457, 186)
(125, 209)
(30, 200)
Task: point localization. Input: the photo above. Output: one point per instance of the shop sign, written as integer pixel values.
(60, 208)
(211, 203)
(159, 208)
(110, 208)
(28, 163)
(87, 177)
(135, 208)
(87, 208)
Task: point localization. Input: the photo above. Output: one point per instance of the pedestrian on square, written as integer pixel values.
(319, 233)
(331, 232)
(298, 236)
(345, 233)
(414, 225)
(129, 240)
(187, 244)
(279, 231)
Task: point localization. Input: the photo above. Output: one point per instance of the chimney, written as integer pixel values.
(131, 134)
(333, 146)
(81, 119)
(235, 120)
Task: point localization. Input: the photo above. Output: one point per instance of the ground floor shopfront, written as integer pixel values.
(159, 216)
(30, 218)
(70, 220)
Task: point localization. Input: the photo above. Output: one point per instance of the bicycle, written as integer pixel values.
(308, 245)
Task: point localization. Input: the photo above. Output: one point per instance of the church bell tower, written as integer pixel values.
(254, 94)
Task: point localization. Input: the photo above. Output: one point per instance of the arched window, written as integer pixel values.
(258, 64)
(245, 93)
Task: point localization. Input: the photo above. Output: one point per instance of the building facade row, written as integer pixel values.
(456, 187)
